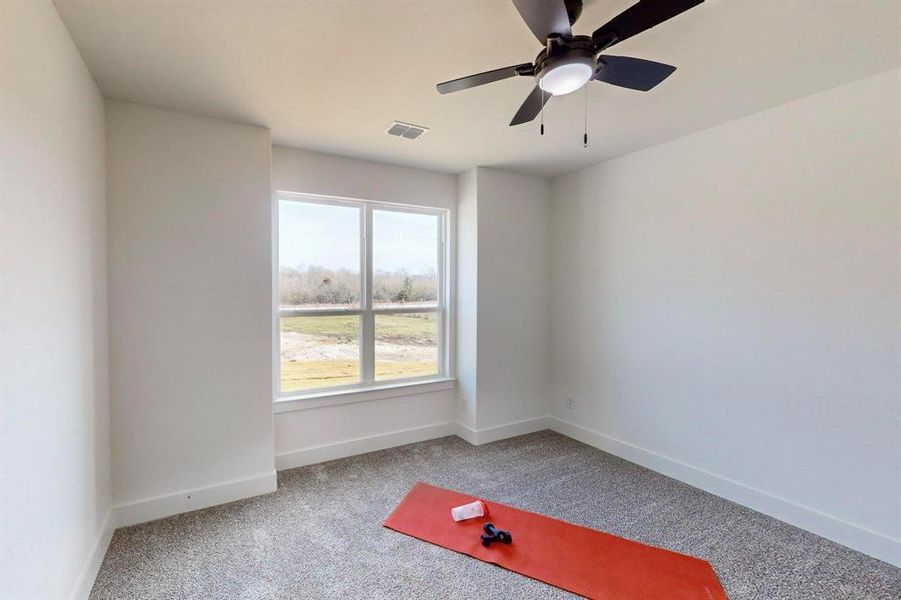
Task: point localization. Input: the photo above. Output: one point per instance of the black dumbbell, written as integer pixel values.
(493, 534)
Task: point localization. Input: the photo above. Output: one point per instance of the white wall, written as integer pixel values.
(302, 434)
(514, 225)
(54, 388)
(731, 301)
(503, 303)
(467, 297)
(190, 309)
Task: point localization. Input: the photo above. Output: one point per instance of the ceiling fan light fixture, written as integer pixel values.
(566, 77)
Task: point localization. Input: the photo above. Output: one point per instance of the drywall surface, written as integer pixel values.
(467, 297)
(731, 301)
(54, 387)
(190, 300)
(303, 171)
(513, 289)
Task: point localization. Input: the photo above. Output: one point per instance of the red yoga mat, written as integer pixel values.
(575, 558)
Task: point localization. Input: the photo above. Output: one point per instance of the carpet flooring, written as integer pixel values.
(320, 534)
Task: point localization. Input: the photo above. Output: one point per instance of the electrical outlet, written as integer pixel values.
(570, 403)
(461, 404)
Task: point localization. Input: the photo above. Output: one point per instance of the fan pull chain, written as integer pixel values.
(542, 111)
(585, 134)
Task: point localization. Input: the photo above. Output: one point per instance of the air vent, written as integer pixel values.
(406, 130)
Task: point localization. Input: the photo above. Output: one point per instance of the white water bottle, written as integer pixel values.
(469, 511)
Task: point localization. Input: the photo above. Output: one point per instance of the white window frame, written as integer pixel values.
(368, 387)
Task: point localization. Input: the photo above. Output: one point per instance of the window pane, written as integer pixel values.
(406, 345)
(319, 255)
(319, 352)
(404, 259)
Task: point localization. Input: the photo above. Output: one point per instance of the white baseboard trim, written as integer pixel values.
(382, 441)
(487, 435)
(85, 581)
(317, 454)
(188, 500)
(853, 536)
(466, 433)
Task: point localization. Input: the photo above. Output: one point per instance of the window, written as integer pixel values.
(361, 294)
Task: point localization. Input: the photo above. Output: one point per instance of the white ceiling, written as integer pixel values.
(332, 75)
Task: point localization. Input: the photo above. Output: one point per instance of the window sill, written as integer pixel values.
(363, 394)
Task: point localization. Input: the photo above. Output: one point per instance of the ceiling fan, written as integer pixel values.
(567, 62)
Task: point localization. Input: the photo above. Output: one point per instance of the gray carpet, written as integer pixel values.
(320, 534)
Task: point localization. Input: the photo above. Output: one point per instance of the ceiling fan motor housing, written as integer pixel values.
(564, 51)
(560, 50)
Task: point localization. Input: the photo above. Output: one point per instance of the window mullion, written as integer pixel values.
(367, 320)
(317, 312)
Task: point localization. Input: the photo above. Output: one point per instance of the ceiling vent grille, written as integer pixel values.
(406, 130)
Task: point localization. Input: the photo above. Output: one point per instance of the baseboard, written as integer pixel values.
(853, 536)
(383, 441)
(372, 443)
(188, 500)
(85, 581)
(165, 506)
(487, 435)
(466, 433)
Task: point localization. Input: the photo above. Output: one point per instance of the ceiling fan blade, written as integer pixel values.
(535, 101)
(632, 73)
(544, 17)
(638, 18)
(455, 85)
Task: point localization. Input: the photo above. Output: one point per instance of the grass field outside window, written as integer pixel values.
(322, 352)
